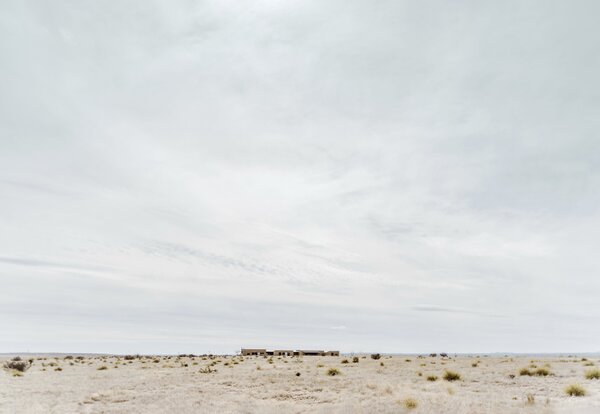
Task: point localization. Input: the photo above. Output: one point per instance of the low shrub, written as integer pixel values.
(332, 372)
(410, 403)
(575, 390)
(592, 374)
(375, 356)
(451, 376)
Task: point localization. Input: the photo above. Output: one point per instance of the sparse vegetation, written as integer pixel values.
(375, 356)
(530, 399)
(432, 378)
(102, 368)
(355, 360)
(345, 361)
(575, 390)
(410, 403)
(332, 372)
(540, 372)
(593, 374)
(451, 376)
(207, 370)
(17, 364)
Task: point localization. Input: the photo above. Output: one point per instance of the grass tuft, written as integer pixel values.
(575, 390)
(592, 374)
(451, 376)
(332, 372)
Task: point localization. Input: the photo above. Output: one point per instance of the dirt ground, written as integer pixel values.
(234, 384)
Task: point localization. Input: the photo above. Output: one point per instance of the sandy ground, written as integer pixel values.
(257, 384)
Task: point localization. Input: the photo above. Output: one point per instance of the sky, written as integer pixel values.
(392, 176)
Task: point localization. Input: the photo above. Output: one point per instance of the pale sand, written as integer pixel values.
(167, 386)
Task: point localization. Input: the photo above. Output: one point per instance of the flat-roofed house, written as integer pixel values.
(283, 352)
(332, 353)
(311, 352)
(254, 351)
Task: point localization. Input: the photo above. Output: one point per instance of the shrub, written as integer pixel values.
(298, 374)
(332, 372)
(592, 374)
(575, 390)
(345, 361)
(409, 403)
(432, 378)
(375, 356)
(525, 371)
(451, 376)
(207, 370)
(58, 369)
(17, 365)
(102, 368)
(542, 372)
(355, 360)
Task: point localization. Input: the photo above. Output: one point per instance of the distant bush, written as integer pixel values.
(345, 361)
(102, 368)
(375, 356)
(432, 378)
(525, 371)
(592, 374)
(542, 372)
(575, 390)
(451, 376)
(207, 370)
(355, 360)
(17, 364)
(332, 372)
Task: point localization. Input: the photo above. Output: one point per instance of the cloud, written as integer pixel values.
(299, 161)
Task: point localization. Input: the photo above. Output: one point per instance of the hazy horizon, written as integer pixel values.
(194, 177)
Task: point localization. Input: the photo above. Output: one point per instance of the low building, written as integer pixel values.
(254, 351)
(287, 352)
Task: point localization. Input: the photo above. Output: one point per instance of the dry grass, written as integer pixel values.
(575, 390)
(332, 372)
(410, 403)
(592, 374)
(432, 378)
(451, 376)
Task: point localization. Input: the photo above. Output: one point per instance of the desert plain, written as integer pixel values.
(346, 384)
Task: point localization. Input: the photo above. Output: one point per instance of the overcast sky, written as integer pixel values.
(395, 176)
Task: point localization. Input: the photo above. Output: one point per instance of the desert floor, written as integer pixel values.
(234, 384)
